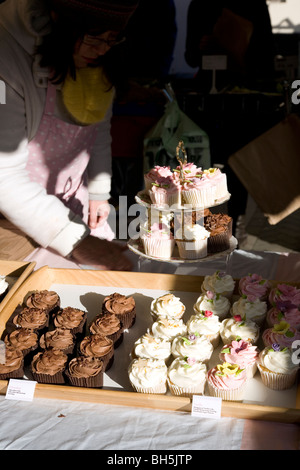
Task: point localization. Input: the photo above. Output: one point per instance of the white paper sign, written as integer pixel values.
(22, 390)
(206, 407)
(214, 62)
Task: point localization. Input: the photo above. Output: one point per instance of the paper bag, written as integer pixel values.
(269, 168)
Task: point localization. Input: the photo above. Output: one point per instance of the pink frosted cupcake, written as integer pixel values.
(158, 241)
(255, 286)
(277, 368)
(198, 192)
(283, 293)
(219, 180)
(227, 381)
(155, 173)
(190, 170)
(282, 333)
(165, 192)
(283, 311)
(242, 353)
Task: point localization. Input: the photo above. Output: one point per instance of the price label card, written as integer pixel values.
(206, 407)
(22, 390)
(214, 62)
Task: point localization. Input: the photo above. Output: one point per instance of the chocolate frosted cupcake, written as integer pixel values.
(220, 228)
(32, 318)
(14, 363)
(23, 339)
(109, 326)
(49, 366)
(85, 372)
(72, 319)
(98, 346)
(58, 338)
(123, 307)
(43, 299)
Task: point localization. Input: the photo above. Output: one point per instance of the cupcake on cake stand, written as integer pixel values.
(178, 226)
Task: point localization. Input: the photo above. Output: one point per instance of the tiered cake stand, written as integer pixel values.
(135, 245)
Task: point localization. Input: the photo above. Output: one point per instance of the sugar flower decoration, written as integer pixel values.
(227, 369)
(282, 328)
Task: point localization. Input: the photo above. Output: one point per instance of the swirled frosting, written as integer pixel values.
(83, 367)
(167, 305)
(43, 299)
(31, 318)
(240, 352)
(216, 303)
(147, 373)
(205, 323)
(192, 345)
(168, 327)
(13, 360)
(231, 330)
(249, 308)
(119, 304)
(254, 285)
(59, 338)
(290, 315)
(279, 361)
(219, 282)
(284, 293)
(105, 325)
(22, 339)
(187, 372)
(96, 345)
(155, 173)
(49, 362)
(149, 346)
(226, 376)
(69, 318)
(282, 333)
(192, 232)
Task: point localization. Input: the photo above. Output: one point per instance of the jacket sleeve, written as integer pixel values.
(99, 168)
(26, 204)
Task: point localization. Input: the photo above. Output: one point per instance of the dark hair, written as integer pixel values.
(57, 51)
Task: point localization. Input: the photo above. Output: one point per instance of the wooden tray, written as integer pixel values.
(16, 272)
(45, 277)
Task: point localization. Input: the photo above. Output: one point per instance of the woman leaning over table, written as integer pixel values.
(57, 64)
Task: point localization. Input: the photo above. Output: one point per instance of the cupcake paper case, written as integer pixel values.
(158, 241)
(276, 367)
(186, 377)
(192, 241)
(227, 381)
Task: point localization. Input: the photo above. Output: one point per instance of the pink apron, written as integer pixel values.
(58, 159)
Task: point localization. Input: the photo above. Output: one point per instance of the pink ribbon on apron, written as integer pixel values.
(58, 158)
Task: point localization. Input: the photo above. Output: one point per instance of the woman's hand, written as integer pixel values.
(101, 254)
(98, 213)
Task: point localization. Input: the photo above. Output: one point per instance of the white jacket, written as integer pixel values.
(42, 217)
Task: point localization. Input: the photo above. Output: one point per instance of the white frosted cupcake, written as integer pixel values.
(158, 241)
(192, 345)
(227, 381)
(207, 324)
(192, 241)
(186, 377)
(169, 328)
(148, 375)
(149, 346)
(216, 303)
(233, 328)
(242, 353)
(250, 308)
(276, 367)
(220, 283)
(167, 305)
(4, 287)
